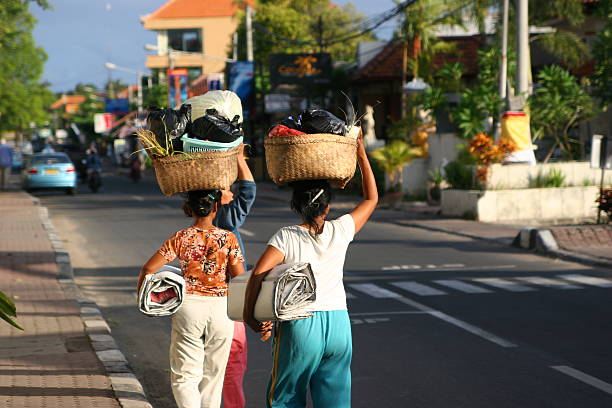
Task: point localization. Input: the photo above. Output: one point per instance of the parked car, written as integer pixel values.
(50, 170)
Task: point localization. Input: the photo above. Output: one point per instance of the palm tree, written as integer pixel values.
(392, 158)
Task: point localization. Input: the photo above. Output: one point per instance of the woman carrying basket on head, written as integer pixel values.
(201, 331)
(313, 353)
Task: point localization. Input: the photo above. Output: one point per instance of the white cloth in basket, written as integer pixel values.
(286, 292)
(162, 292)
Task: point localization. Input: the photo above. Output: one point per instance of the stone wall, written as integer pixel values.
(546, 204)
(510, 176)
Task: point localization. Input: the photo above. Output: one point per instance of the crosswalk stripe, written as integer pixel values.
(374, 290)
(418, 288)
(549, 282)
(504, 284)
(588, 280)
(461, 286)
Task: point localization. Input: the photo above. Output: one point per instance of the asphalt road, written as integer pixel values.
(438, 320)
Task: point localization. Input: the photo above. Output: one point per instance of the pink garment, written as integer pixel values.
(233, 393)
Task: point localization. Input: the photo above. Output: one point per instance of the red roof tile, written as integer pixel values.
(194, 9)
(387, 65)
(67, 100)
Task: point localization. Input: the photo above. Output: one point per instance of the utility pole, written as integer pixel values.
(235, 46)
(522, 45)
(249, 33)
(503, 68)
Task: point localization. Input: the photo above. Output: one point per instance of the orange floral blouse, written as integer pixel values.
(204, 256)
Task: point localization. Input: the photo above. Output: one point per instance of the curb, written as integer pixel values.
(543, 242)
(128, 389)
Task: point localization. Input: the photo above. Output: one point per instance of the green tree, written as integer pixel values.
(23, 98)
(602, 51)
(297, 26)
(93, 104)
(557, 106)
(156, 96)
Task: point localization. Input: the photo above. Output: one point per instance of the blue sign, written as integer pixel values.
(241, 81)
(119, 105)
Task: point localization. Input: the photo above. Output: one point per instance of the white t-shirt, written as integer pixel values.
(325, 253)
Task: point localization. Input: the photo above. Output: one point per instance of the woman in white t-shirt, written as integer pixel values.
(313, 353)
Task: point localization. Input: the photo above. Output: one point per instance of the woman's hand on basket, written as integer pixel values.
(360, 144)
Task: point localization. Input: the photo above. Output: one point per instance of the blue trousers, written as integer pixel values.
(312, 353)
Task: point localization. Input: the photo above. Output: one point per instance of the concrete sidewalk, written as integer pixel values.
(66, 356)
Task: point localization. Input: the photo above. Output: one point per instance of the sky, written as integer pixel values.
(79, 36)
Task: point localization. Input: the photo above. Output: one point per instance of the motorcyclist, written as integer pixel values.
(93, 164)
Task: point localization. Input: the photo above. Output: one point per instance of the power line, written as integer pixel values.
(363, 27)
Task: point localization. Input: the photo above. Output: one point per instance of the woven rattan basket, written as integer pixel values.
(196, 171)
(311, 157)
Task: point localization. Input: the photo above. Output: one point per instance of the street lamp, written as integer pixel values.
(110, 65)
(415, 86)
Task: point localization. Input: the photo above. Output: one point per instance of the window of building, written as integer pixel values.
(189, 40)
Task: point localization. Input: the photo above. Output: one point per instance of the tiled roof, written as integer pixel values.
(387, 65)
(194, 9)
(66, 100)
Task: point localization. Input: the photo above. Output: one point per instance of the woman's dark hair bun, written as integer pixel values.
(310, 199)
(199, 203)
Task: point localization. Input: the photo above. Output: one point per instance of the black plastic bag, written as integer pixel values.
(168, 124)
(321, 121)
(292, 122)
(216, 128)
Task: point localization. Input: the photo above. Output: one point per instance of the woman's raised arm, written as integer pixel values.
(364, 209)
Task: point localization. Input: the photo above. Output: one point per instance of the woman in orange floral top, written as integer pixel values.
(201, 331)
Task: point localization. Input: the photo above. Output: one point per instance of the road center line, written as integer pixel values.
(248, 233)
(376, 291)
(138, 198)
(399, 312)
(585, 378)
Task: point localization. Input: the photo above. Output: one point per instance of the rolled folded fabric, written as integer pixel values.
(286, 292)
(162, 292)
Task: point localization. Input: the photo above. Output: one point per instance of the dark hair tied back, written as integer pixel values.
(310, 199)
(199, 203)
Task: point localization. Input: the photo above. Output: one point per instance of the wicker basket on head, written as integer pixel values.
(210, 170)
(181, 172)
(311, 157)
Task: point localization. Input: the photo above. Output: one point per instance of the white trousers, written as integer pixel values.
(199, 349)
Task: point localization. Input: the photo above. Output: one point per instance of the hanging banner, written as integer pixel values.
(241, 81)
(117, 105)
(103, 122)
(301, 69)
(177, 87)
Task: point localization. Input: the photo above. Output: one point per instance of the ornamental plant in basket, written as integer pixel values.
(486, 152)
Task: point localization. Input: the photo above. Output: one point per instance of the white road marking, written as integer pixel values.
(588, 280)
(418, 288)
(350, 295)
(504, 284)
(248, 233)
(370, 321)
(585, 378)
(549, 282)
(443, 267)
(374, 290)
(461, 286)
(138, 198)
(377, 291)
(398, 312)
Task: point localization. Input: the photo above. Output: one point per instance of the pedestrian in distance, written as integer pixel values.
(6, 164)
(202, 332)
(313, 353)
(231, 217)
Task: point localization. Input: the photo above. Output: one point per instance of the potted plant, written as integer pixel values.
(435, 181)
(392, 158)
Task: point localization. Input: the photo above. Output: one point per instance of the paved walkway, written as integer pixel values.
(51, 363)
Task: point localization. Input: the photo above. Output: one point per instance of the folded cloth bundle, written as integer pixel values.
(286, 292)
(162, 292)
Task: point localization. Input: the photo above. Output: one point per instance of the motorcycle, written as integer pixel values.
(94, 180)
